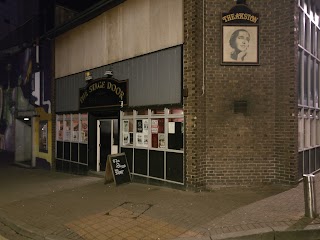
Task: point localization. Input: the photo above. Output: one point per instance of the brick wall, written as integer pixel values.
(193, 109)
(286, 145)
(224, 148)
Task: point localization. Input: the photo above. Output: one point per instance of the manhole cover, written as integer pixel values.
(129, 210)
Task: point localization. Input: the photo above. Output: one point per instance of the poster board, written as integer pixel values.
(117, 169)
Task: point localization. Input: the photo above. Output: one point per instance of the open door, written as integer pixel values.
(107, 141)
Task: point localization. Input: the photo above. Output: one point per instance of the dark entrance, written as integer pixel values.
(103, 138)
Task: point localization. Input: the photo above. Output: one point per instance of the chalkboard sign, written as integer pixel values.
(117, 169)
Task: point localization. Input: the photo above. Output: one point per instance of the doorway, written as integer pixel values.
(107, 141)
(23, 142)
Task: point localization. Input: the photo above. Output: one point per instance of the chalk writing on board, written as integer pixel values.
(118, 166)
(117, 169)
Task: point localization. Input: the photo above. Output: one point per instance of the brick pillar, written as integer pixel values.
(286, 87)
(224, 147)
(195, 102)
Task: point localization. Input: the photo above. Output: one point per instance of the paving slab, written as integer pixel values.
(49, 205)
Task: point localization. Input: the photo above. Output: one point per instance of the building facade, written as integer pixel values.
(184, 110)
(308, 86)
(96, 116)
(25, 86)
(257, 144)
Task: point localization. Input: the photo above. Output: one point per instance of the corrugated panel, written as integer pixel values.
(67, 92)
(154, 79)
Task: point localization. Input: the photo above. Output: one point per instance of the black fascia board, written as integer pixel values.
(82, 17)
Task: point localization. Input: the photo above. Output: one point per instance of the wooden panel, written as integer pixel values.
(94, 43)
(133, 28)
(113, 35)
(160, 18)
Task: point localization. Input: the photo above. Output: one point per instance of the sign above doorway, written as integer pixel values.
(104, 92)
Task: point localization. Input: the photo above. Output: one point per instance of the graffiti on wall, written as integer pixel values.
(24, 85)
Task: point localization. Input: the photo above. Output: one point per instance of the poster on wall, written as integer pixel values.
(171, 127)
(126, 138)
(60, 130)
(139, 126)
(145, 126)
(162, 141)
(125, 126)
(154, 126)
(84, 132)
(146, 140)
(84, 128)
(139, 142)
(75, 128)
(67, 130)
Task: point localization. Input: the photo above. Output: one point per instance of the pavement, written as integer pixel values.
(41, 204)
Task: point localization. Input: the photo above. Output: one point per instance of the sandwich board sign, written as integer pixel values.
(117, 169)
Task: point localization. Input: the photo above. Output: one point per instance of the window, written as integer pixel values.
(305, 80)
(71, 143)
(308, 84)
(153, 142)
(300, 71)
